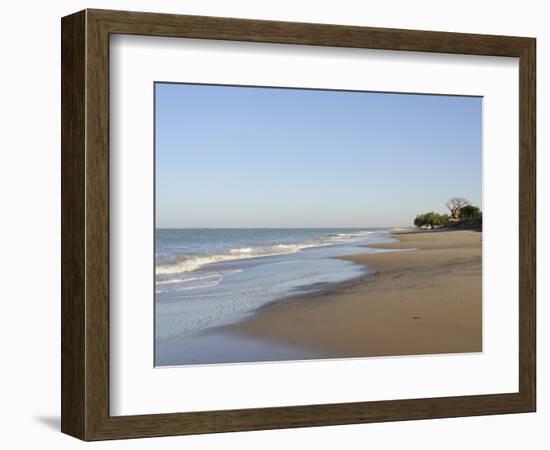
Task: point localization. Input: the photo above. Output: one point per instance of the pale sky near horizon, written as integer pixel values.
(266, 157)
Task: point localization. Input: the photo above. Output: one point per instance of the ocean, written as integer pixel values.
(209, 277)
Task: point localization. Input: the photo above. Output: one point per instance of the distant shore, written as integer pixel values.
(425, 300)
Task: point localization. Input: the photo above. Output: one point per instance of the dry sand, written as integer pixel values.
(423, 301)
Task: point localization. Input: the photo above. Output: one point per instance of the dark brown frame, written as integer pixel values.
(85, 224)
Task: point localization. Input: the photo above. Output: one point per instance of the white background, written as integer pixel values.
(136, 387)
(29, 177)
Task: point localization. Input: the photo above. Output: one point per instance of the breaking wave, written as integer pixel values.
(191, 263)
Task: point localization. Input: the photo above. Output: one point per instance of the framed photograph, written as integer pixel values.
(272, 224)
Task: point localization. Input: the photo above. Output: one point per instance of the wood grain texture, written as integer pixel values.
(152, 24)
(85, 224)
(527, 224)
(97, 226)
(73, 227)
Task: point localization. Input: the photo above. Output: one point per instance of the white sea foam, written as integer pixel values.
(193, 263)
(194, 281)
(160, 290)
(196, 262)
(244, 251)
(187, 279)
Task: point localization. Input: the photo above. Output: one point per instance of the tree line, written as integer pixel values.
(460, 210)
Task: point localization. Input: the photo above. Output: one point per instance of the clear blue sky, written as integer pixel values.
(261, 157)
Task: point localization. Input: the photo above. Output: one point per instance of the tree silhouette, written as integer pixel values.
(455, 204)
(469, 212)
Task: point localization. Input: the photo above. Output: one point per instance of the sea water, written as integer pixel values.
(209, 277)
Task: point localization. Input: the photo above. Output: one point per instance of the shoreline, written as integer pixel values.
(425, 300)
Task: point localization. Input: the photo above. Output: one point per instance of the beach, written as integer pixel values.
(207, 278)
(423, 297)
(314, 236)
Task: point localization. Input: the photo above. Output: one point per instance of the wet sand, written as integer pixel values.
(421, 301)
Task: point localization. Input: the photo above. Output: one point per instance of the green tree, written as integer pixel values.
(419, 220)
(431, 220)
(470, 212)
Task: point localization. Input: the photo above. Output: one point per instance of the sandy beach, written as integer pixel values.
(424, 298)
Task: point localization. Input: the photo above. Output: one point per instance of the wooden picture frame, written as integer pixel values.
(85, 224)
